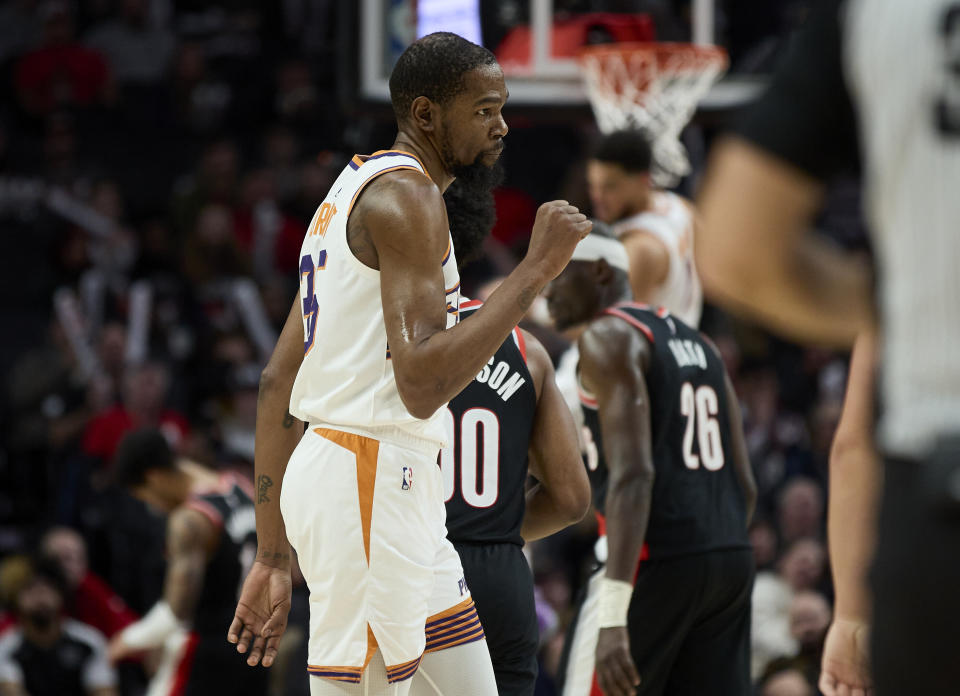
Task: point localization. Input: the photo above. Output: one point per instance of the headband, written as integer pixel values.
(594, 247)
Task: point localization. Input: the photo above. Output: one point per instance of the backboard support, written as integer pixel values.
(543, 78)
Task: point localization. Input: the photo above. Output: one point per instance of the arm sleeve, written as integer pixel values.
(806, 116)
(98, 673)
(10, 672)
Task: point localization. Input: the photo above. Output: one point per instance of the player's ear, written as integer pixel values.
(423, 113)
(603, 272)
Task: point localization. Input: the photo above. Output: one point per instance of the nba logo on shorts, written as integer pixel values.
(407, 478)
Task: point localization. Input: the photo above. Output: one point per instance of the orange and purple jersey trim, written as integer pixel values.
(402, 671)
(344, 674)
(455, 626)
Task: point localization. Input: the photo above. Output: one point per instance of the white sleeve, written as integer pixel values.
(10, 672)
(98, 673)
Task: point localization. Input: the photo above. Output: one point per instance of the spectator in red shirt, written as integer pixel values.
(61, 72)
(93, 601)
(144, 395)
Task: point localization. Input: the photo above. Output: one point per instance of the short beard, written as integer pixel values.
(471, 210)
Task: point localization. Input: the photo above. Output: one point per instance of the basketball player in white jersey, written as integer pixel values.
(873, 83)
(370, 352)
(655, 226)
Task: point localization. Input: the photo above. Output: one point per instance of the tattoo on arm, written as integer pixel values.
(526, 297)
(288, 420)
(273, 555)
(264, 483)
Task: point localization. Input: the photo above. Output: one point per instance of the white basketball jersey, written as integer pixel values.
(902, 63)
(346, 379)
(670, 220)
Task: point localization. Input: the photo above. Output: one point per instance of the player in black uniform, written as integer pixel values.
(211, 541)
(512, 409)
(672, 483)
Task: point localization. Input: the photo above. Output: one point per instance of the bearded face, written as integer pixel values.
(470, 205)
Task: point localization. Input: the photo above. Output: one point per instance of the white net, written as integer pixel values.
(653, 87)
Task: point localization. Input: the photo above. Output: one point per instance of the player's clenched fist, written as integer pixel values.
(558, 228)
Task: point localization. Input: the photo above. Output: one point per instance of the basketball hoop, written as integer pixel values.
(653, 87)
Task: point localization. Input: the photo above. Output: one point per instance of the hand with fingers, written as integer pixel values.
(845, 669)
(558, 229)
(616, 673)
(261, 615)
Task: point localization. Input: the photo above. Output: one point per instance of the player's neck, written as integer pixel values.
(640, 205)
(423, 149)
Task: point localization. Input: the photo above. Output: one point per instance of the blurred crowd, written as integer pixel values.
(159, 163)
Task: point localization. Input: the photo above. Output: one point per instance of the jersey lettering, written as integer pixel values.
(687, 353)
(497, 379)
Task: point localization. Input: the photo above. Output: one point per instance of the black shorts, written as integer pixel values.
(689, 624)
(216, 667)
(916, 572)
(501, 584)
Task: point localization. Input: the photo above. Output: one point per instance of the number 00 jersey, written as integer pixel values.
(485, 466)
(229, 507)
(697, 501)
(346, 379)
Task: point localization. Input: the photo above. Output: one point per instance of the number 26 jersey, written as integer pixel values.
(697, 502)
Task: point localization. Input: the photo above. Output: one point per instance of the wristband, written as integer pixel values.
(614, 600)
(153, 629)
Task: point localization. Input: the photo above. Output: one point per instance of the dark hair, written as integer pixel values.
(48, 570)
(628, 148)
(433, 67)
(139, 452)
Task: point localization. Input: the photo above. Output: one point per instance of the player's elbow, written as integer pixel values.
(272, 379)
(850, 449)
(420, 400)
(573, 500)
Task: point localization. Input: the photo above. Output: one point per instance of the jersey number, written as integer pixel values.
(310, 304)
(700, 407)
(476, 493)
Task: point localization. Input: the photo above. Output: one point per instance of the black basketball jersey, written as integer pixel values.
(74, 665)
(485, 467)
(230, 508)
(697, 502)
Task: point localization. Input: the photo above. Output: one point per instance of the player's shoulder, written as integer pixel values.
(607, 336)
(405, 189)
(84, 633)
(403, 209)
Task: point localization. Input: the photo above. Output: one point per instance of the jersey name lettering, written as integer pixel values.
(688, 353)
(496, 378)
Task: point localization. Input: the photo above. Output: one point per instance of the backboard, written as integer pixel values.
(536, 42)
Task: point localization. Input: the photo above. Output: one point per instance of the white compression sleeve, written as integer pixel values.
(153, 629)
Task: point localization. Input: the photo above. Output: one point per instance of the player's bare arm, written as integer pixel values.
(855, 482)
(741, 457)
(261, 615)
(104, 691)
(562, 495)
(191, 540)
(649, 263)
(403, 217)
(793, 281)
(612, 359)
